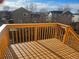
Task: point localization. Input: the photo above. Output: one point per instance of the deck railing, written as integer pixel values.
(71, 38)
(31, 32)
(4, 40)
(18, 33)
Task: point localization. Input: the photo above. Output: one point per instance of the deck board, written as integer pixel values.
(44, 49)
(8, 54)
(32, 50)
(59, 48)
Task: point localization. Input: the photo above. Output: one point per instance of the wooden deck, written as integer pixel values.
(44, 49)
(8, 54)
(38, 41)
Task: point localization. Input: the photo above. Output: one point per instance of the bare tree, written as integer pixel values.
(27, 7)
(60, 8)
(66, 8)
(33, 7)
(43, 10)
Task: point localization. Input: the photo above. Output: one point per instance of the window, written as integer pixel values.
(25, 14)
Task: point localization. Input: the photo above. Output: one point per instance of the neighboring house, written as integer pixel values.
(75, 18)
(5, 16)
(75, 22)
(61, 17)
(21, 15)
(75, 26)
(35, 17)
(49, 17)
(39, 17)
(43, 17)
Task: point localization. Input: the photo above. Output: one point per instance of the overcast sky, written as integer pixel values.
(51, 4)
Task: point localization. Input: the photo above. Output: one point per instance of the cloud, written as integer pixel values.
(51, 5)
(74, 6)
(41, 5)
(13, 4)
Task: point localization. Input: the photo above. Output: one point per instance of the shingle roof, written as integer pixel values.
(60, 12)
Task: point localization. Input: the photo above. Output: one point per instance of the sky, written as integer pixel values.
(50, 4)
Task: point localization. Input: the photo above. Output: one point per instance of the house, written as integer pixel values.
(4, 16)
(21, 15)
(64, 17)
(75, 26)
(75, 22)
(39, 17)
(75, 17)
(35, 17)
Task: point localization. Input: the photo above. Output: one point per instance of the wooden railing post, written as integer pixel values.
(0, 52)
(8, 38)
(35, 34)
(4, 40)
(65, 35)
(56, 31)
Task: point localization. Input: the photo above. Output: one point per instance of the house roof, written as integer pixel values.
(61, 12)
(68, 12)
(21, 8)
(5, 11)
(35, 15)
(57, 12)
(39, 14)
(76, 14)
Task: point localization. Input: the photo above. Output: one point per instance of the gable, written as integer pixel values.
(21, 10)
(68, 13)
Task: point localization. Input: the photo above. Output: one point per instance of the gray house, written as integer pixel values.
(61, 17)
(21, 15)
(4, 16)
(39, 17)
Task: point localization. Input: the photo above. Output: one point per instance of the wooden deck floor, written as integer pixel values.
(60, 49)
(8, 54)
(44, 49)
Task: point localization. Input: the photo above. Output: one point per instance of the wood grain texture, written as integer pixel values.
(62, 50)
(32, 50)
(24, 39)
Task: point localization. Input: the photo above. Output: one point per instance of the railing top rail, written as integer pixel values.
(63, 25)
(36, 25)
(31, 25)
